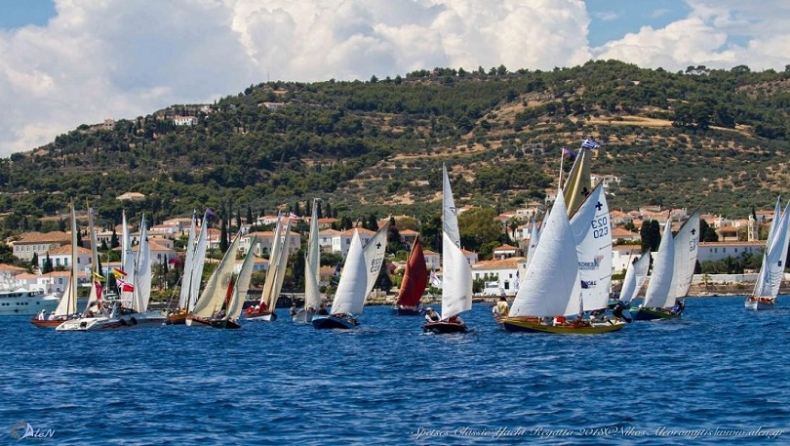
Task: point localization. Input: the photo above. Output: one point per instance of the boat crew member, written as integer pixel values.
(323, 311)
(502, 306)
(42, 315)
(293, 309)
(618, 309)
(431, 316)
(678, 308)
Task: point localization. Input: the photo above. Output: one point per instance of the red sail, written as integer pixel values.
(415, 278)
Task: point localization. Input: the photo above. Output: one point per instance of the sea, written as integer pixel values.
(719, 375)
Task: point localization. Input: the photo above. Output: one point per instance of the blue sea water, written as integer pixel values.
(718, 375)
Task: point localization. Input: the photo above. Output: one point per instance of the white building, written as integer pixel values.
(499, 275)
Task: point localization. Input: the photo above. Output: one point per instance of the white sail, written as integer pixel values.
(660, 285)
(242, 285)
(270, 293)
(352, 288)
(282, 265)
(126, 242)
(772, 270)
(374, 255)
(449, 211)
(686, 246)
(551, 285)
(534, 237)
(215, 292)
(196, 275)
(592, 232)
(128, 264)
(635, 277)
(142, 271)
(312, 292)
(183, 297)
(96, 287)
(456, 273)
(67, 305)
(456, 280)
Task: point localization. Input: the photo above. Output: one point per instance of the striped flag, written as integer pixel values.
(590, 143)
(118, 273)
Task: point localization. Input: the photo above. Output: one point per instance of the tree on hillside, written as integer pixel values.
(650, 232)
(478, 226)
(707, 233)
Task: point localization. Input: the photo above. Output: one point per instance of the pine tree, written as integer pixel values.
(114, 242)
(34, 260)
(249, 215)
(223, 237)
(48, 265)
(329, 211)
(318, 210)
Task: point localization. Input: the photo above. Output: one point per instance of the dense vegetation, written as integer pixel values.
(713, 139)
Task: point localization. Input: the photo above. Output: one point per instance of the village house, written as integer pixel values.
(499, 276)
(39, 243)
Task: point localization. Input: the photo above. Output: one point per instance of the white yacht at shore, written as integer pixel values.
(24, 300)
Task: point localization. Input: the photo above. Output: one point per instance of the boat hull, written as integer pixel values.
(303, 317)
(177, 319)
(333, 322)
(400, 310)
(651, 314)
(263, 316)
(534, 325)
(442, 327)
(102, 323)
(47, 323)
(759, 303)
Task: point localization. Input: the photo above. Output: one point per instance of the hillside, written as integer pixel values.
(714, 139)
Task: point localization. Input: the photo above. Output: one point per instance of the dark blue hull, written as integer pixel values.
(406, 311)
(442, 327)
(333, 322)
(651, 314)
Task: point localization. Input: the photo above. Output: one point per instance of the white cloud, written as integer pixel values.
(706, 37)
(122, 59)
(606, 16)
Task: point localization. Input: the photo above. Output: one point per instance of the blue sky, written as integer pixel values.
(612, 19)
(87, 60)
(18, 13)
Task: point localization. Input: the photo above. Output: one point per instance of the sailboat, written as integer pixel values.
(457, 275)
(672, 272)
(635, 276)
(552, 286)
(278, 264)
(772, 270)
(193, 272)
(238, 294)
(360, 271)
(312, 263)
(67, 305)
(415, 280)
(213, 303)
(132, 312)
(592, 232)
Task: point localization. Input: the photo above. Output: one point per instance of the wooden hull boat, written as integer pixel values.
(534, 325)
(442, 327)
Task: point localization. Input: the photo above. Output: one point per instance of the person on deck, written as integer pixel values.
(293, 310)
(431, 316)
(678, 308)
(322, 310)
(502, 306)
(618, 309)
(42, 315)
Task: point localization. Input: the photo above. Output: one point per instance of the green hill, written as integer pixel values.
(714, 139)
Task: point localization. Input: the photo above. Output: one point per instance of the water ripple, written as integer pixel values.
(716, 376)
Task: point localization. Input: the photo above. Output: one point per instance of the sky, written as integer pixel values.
(64, 63)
